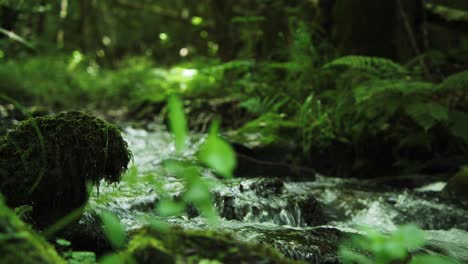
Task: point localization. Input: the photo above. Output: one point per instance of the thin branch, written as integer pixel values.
(447, 17)
(13, 36)
(412, 38)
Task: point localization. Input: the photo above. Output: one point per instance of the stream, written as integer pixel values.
(304, 220)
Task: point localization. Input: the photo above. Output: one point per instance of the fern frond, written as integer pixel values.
(380, 67)
(260, 106)
(232, 65)
(427, 115)
(456, 81)
(369, 89)
(459, 125)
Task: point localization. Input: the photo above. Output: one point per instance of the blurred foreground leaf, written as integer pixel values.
(177, 122)
(113, 229)
(217, 154)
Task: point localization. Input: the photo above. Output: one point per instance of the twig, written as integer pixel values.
(13, 36)
(412, 38)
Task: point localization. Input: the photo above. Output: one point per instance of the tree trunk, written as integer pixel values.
(40, 27)
(82, 26)
(386, 28)
(224, 30)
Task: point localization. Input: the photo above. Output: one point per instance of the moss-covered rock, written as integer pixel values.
(48, 162)
(457, 188)
(147, 249)
(19, 244)
(193, 246)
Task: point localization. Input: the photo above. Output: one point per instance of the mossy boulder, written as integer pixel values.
(49, 162)
(457, 188)
(147, 249)
(195, 246)
(19, 244)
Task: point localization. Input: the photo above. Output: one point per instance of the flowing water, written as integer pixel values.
(304, 220)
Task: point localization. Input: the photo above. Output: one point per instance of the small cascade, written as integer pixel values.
(280, 209)
(303, 220)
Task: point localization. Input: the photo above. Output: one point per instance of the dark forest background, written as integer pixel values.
(346, 78)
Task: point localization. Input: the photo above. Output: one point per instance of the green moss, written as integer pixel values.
(19, 244)
(457, 186)
(146, 249)
(193, 246)
(49, 161)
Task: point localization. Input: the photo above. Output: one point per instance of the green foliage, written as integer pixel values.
(113, 229)
(427, 114)
(170, 208)
(196, 246)
(431, 259)
(177, 122)
(265, 129)
(378, 248)
(259, 106)
(79, 81)
(375, 66)
(456, 81)
(367, 90)
(20, 244)
(217, 153)
(459, 125)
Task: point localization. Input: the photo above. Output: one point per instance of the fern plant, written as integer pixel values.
(378, 67)
(259, 106)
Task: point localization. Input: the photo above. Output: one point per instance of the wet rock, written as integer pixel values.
(227, 207)
(48, 162)
(192, 246)
(264, 187)
(457, 188)
(264, 200)
(411, 181)
(311, 211)
(19, 244)
(315, 245)
(87, 234)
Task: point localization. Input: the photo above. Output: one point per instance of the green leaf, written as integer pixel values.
(432, 259)
(170, 208)
(427, 114)
(113, 229)
(198, 191)
(114, 259)
(459, 126)
(131, 176)
(409, 236)
(159, 225)
(82, 257)
(177, 122)
(63, 242)
(217, 154)
(209, 212)
(350, 256)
